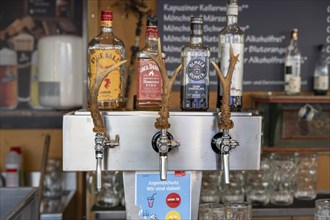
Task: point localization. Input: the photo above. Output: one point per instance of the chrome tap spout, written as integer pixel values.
(222, 144)
(101, 142)
(163, 142)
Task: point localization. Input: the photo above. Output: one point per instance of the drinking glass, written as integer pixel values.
(238, 211)
(211, 211)
(52, 188)
(306, 176)
(109, 195)
(257, 183)
(322, 209)
(210, 187)
(234, 191)
(283, 178)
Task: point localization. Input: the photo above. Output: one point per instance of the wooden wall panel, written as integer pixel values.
(31, 142)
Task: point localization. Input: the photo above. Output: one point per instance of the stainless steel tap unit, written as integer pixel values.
(195, 131)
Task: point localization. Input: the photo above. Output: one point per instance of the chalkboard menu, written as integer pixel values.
(267, 25)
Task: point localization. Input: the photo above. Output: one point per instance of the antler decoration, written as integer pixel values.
(225, 122)
(162, 121)
(92, 102)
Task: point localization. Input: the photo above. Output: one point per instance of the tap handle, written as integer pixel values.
(225, 164)
(98, 174)
(163, 166)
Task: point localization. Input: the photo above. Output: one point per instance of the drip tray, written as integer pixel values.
(117, 212)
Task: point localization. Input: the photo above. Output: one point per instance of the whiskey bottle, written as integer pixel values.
(195, 70)
(105, 50)
(149, 78)
(321, 73)
(234, 35)
(292, 66)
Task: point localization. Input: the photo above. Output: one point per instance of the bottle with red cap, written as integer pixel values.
(14, 167)
(149, 78)
(105, 50)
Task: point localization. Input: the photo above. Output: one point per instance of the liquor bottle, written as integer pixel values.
(195, 70)
(149, 78)
(234, 35)
(105, 50)
(321, 73)
(292, 66)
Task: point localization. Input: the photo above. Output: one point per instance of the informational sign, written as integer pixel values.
(169, 199)
(49, 8)
(267, 25)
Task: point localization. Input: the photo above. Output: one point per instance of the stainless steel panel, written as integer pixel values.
(194, 130)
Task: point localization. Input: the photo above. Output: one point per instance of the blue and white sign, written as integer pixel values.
(169, 199)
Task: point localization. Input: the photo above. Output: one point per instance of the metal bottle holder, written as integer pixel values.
(136, 152)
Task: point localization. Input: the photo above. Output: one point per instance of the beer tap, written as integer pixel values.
(222, 142)
(101, 140)
(162, 141)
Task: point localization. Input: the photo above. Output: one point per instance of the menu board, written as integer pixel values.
(49, 8)
(267, 25)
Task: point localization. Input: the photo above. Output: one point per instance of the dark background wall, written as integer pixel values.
(267, 25)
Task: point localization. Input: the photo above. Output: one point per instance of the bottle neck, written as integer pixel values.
(152, 36)
(196, 34)
(231, 19)
(106, 29)
(196, 39)
(294, 43)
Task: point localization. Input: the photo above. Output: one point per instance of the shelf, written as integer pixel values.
(284, 127)
(16, 119)
(296, 150)
(291, 99)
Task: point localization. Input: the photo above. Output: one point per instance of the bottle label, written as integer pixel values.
(196, 69)
(294, 84)
(195, 83)
(296, 65)
(8, 87)
(195, 91)
(149, 80)
(12, 176)
(236, 87)
(110, 88)
(286, 82)
(321, 82)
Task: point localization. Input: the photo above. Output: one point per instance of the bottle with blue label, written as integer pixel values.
(195, 70)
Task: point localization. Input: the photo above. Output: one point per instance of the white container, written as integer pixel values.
(60, 71)
(13, 167)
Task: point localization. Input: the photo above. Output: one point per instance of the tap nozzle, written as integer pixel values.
(163, 142)
(101, 142)
(222, 144)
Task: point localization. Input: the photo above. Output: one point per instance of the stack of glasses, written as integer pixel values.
(282, 177)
